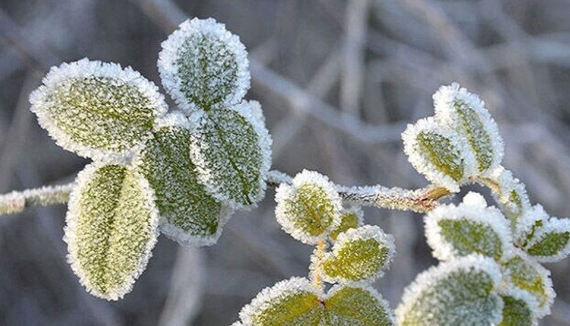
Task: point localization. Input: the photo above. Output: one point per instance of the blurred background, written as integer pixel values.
(338, 81)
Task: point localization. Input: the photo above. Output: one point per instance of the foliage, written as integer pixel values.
(152, 165)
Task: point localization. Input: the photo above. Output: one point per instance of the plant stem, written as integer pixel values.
(318, 264)
(419, 200)
(16, 202)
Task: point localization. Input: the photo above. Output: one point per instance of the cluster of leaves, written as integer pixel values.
(490, 272)
(311, 211)
(182, 173)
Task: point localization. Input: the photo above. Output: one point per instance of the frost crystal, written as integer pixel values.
(465, 113)
(460, 292)
(112, 226)
(231, 149)
(189, 214)
(203, 66)
(359, 255)
(437, 153)
(97, 110)
(309, 208)
(472, 227)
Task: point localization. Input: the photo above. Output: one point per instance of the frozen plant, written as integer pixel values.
(182, 173)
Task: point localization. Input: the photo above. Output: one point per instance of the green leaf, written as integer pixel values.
(358, 255)
(202, 65)
(356, 306)
(465, 113)
(308, 208)
(550, 242)
(349, 219)
(460, 292)
(532, 277)
(519, 309)
(470, 228)
(296, 302)
(435, 152)
(288, 303)
(97, 110)
(188, 213)
(112, 226)
(231, 150)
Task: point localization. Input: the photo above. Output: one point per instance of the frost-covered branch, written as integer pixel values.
(17, 201)
(419, 200)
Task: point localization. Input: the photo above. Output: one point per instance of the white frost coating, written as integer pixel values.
(473, 209)
(169, 68)
(429, 278)
(287, 192)
(381, 301)
(70, 228)
(362, 233)
(525, 296)
(82, 69)
(526, 222)
(546, 282)
(204, 169)
(186, 239)
(553, 225)
(427, 168)
(174, 118)
(446, 115)
(264, 299)
(507, 184)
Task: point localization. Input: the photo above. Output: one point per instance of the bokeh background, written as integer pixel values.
(338, 81)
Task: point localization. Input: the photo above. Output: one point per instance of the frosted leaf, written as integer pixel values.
(97, 110)
(356, 306)
(202, 65)
(512, 194)
(466, 114)
(436, 153)
(112, 226)
(231, 149)
(460, 292)
(188, 214)
(519, 308)
(528, 224)
(358, 255)
(309, 208)
(550, 242)
(532, 277)
(472, 227)
(350, 218)
(294, 302)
